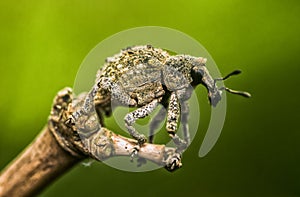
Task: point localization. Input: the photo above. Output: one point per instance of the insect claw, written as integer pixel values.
(134, 153)
(173, 162)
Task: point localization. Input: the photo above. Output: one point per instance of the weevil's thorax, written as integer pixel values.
(178, 71)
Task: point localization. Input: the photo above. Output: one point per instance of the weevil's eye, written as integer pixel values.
(198, 71)
(197, 74)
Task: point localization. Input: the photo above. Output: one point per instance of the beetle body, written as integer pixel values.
(143, 77)
(138, 75)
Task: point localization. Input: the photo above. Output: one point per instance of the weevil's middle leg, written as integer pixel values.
(131, 117)
(172, 121)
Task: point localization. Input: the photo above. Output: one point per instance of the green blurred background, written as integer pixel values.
(42, 44)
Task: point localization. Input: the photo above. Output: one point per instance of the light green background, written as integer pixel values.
(42, 44)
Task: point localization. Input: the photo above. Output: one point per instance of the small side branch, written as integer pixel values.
(107, 144)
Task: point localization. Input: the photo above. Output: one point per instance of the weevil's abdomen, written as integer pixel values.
(137, 71)
(129, 59)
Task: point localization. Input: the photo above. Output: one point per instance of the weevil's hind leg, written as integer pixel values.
(172, 121)
(184, 121)
(160, 116)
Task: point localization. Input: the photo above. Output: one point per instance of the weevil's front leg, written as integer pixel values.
(155, 122)
(172, 121)
(131, 117)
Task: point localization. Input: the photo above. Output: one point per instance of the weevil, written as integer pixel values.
(144, 77)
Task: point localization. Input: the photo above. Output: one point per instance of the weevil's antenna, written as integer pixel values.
(241, 93)
(235, 72)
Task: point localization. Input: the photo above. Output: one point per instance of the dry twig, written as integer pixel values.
(58, 148)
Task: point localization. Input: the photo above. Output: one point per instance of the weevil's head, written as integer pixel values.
(200, 75)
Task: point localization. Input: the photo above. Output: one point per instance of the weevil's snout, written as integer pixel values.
(201, 75)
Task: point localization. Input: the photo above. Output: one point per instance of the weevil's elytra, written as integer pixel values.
(143, 77)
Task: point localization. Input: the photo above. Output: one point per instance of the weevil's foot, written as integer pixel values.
(134, 152)
(141, 139)
(141, 161)
(173, 162)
